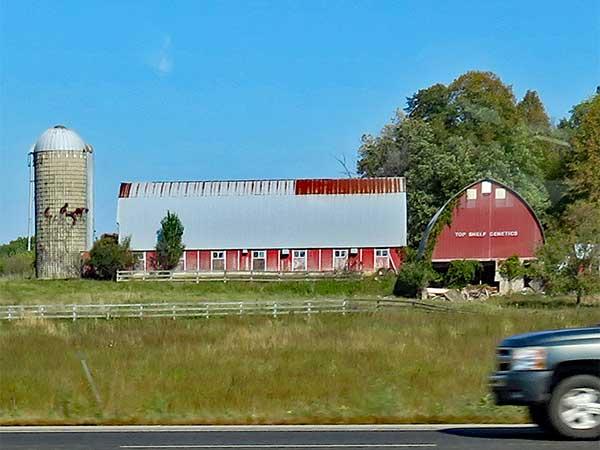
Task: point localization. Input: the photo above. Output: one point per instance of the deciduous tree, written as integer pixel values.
(169, 245)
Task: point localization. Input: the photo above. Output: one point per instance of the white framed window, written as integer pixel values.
(217, 260)
(259, 260)
(140, 261)
(500, 193)
(382, 258)
(299, 260)
(471, 194)
(340, 259)
(486, 187)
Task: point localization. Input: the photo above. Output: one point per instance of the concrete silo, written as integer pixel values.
(63, 187)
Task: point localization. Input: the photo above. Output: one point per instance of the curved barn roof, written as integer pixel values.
(59, 137)
(436, 216)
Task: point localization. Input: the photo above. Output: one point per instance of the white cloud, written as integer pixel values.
(163, 63)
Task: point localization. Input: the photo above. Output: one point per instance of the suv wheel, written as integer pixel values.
(574, 409)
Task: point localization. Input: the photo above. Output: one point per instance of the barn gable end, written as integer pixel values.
(489, 222)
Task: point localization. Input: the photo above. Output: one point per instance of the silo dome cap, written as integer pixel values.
(59, 137)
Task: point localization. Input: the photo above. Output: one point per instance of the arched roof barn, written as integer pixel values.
(489, 222)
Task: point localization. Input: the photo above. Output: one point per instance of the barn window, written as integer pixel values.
(471, 194)
(217, 261)
(140, 261)
(382, 258)
(299, 260)
(486, 187)
(259, 260)
(340, 259)
(500, 193)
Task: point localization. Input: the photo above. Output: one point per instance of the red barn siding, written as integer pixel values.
(368, 259)
(232, 260)
(396, 258)
(273, 260)
(489, 229)
(205, 260)
(326, 259)
(312, 260)
(317, 260)
(191, 260)
(151, 263)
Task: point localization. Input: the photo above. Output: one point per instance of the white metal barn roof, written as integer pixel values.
(59, 138)
(338, 213)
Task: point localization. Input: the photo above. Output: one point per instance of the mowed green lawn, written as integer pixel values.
(20, 292)
(390, 366)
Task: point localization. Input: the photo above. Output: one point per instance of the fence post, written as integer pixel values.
(206, 308)
(344, 307)
(74, 313)
(309, 308)
(241, 308)
(274, 309)
(141, 313)
(9, 313)
(173, 312)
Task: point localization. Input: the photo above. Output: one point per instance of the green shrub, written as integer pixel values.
(20, 265)
(461, 272)
(511, 268)
(413, 277)
(107, 256)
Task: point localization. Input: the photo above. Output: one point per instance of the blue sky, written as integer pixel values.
(182, 90)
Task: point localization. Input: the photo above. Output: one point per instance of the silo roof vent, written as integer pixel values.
(59, 137)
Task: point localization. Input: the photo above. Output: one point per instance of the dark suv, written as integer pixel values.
(556, 374)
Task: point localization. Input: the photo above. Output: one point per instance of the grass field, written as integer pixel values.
(27, 292)
(402, 366)
(19, 292)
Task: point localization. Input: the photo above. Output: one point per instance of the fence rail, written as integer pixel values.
(250, 275)
(211, 309)
(174, 310)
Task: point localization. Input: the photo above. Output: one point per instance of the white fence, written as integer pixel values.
(175, 310)
(198, 276)
(206, 309)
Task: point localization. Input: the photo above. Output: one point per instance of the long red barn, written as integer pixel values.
(271, 225)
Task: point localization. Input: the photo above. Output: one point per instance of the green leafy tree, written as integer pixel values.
(107, 256)
(169, 245)
(485, 107)
(15, 260)
(584, 164)
(531, 109)
(569, 261)
(15, 247)
(452, 136)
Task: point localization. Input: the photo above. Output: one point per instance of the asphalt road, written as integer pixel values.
(471, 437)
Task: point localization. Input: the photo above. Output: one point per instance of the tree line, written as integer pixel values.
(449, 136)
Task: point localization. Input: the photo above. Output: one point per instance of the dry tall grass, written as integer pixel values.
(406, 366)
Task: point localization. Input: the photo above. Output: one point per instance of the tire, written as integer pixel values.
(574, 408)
(539, 415)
